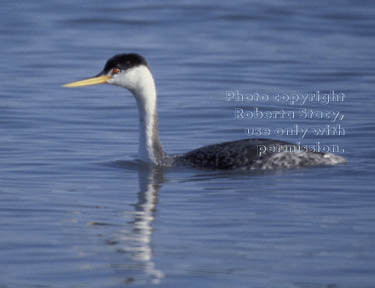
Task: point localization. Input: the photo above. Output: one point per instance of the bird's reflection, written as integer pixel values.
(137, 242)
(150, 180)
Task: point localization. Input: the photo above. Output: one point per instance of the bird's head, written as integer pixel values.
(125, 70)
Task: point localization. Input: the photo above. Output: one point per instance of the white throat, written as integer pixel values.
(140, 82)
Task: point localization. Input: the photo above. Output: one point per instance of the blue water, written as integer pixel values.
(78, 210)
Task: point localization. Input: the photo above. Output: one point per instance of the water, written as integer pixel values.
(77, 210)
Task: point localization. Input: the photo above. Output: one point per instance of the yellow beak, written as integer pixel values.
(90, 81)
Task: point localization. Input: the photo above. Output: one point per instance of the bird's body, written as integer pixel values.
(256, 154)
(132, 72)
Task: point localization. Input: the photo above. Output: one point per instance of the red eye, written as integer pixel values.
(115, 71)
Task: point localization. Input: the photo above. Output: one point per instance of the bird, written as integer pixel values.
(131, 71)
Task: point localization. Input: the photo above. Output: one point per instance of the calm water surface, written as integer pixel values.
(78, 210)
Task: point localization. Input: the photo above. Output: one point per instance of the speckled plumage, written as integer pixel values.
(244, 154)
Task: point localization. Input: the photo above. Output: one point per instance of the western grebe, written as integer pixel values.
(131, 71)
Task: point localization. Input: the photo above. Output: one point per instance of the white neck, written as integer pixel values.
(150, 149)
